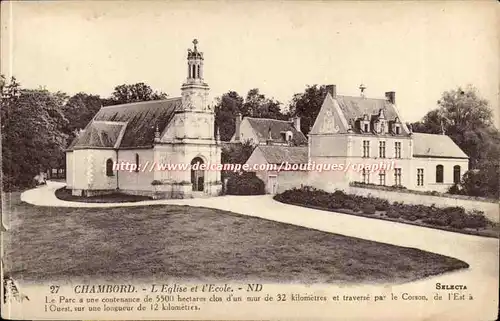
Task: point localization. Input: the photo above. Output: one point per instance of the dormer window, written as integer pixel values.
(365, 124)
(396, 126)
(287, 136)
(382, 127)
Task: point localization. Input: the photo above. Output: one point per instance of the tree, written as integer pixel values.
(255, 105)
(226, 108)
(307, 105)
(33, 137)
(237, 153)
(482, 181)
(124, 94)
(259, 106)
(466, 117)
(79, 110)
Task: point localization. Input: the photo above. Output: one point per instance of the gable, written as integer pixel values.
(100, 134)
(256, 157)
(330, 119)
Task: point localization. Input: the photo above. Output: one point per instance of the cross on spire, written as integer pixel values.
(195, 42)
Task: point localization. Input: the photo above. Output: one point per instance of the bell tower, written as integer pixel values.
(195, 90)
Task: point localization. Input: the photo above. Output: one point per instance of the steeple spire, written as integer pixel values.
(195, 63)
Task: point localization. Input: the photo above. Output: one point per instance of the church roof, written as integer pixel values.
(433, 145)
(261, 128)
(275, 154)
(100, 134)
(141, 120)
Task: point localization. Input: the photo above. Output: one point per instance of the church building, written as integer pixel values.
(147, 134)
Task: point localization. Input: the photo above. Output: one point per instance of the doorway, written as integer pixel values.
(197, 175)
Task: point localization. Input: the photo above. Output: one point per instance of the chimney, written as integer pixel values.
(296, 123)
(237, 125)
(391, 97)
(332, 90)
(269, 140)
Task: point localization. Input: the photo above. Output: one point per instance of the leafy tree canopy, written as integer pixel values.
(124, 94)
(307, 105)
(466, 117)
(33, 133)
(254, 105)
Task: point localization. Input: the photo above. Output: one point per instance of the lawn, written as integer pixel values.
(193, 244)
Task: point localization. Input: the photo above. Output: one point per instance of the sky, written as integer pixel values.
(417, 49)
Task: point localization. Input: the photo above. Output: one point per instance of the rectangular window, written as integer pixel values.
(397, 149)
(381, 177)
(398, 130)
(366, 176)
(366, 148)
(397, 176)
(420, 177)
(366, 128)
(381, 150)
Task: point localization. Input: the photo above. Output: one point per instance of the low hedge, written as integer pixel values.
(455, 217)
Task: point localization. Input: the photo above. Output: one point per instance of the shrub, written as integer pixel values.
(245, 184)
(450, 216)
(454, 189)
(476, 219)
(393, 213)
(438, 221)
(369, 209)
(381, 204)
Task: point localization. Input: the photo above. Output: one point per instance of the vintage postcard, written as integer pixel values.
(277, 160)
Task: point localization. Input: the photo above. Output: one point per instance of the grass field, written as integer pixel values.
(188, 243)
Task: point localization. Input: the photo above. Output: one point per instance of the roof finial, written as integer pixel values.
(362, 88)
(195, 42)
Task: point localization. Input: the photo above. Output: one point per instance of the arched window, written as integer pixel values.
(456, 174)
(136, 162)
(439, 174)
(198, 71)
(109, 167)
(194, 71)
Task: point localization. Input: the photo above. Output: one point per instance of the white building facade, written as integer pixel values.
(357, 132)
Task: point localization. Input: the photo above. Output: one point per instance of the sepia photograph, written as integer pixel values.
(202, 160)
